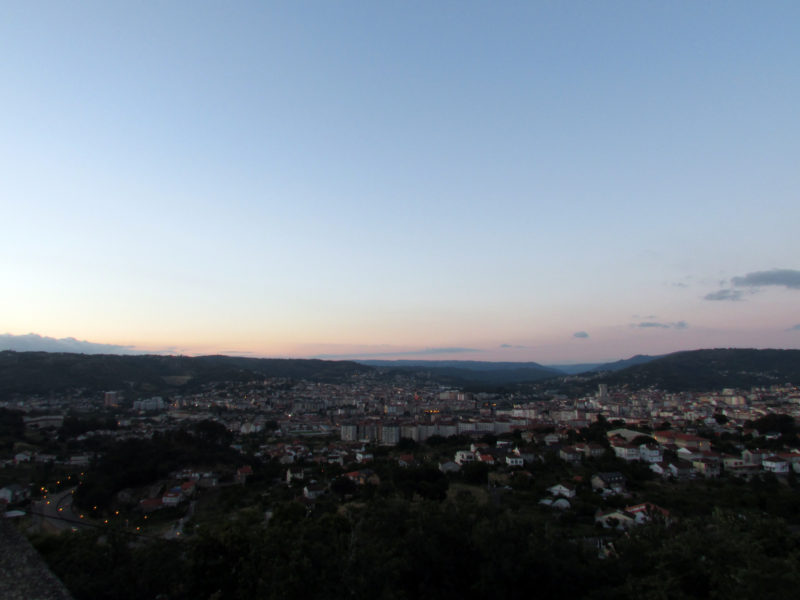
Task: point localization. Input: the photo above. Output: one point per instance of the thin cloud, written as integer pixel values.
(403, 353)
(657, 325)
(33, 342)
(581, 335)
(730, 295)
(795, 328)
(511, 346)
(787, 278)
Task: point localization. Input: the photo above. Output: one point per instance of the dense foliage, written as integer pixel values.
(136, 462)
(47, 372)
(700, 370)
(391, 548)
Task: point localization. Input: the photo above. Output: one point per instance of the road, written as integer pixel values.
(177, 529)
(56, 511)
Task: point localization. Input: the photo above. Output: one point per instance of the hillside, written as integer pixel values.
(699, 370)
(611, 366)
(468, 372)
(43, 372)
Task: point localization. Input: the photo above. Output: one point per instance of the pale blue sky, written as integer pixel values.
(307, 178)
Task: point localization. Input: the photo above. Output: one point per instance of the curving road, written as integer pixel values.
(56, 511)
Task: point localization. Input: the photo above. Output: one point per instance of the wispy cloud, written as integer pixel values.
(33, 342)
(787, 278)
(795, 328)
(400, 353)
(657, 325)
(753, 282)
(724, 294)
(512, 346)
(582, 335)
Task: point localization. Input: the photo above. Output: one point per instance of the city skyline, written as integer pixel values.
(547, 182)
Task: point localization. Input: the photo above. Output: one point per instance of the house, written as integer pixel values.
(464, 456)
(172, 497)
(336, 458)
(570, 454)
(755, 456)
(615, 519)
(624, 450)
(558, 503)
(646, 512)
(612, 481)
(626, 434)
(449, 467)
(13, 493)
(682, 440)
(562, 489)
(680, 469)
(590, 450)
(514, 461)
(688, 454)
(551, 439)
(730, 462)
(81, 460)
(363, 477)
(660, 468)
(363, 457)
(242, 473)
(21, 457)
(706, 467)
(312, 491)
(650, 453)
(208, 480)
(148, 505)
(775, 464)
(487, 459)
(792, 458)
(294, 473)
(406, 460)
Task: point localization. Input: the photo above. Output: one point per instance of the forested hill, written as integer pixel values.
(700, 370)
(43, 372)
(468, 372)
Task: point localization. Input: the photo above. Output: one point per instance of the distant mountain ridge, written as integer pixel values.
(535, 368)
(714, 369)
(471, 371)
(619, 365)
(44, 372)
(698, 370)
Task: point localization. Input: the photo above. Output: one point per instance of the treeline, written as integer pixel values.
(396, 549)
(47, 372)
(137, 462)
(706, 370)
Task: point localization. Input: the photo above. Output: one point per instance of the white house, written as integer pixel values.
(514, 461)
(775, 464)
(464, 456)
(562, 489)
(650, 453)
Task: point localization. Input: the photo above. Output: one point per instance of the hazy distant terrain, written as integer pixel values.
(536, 370)
(712, 369)
(43, 372)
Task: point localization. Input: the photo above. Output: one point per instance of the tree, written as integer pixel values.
(213, 433)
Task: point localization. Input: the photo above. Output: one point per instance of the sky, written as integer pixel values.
(557, 182)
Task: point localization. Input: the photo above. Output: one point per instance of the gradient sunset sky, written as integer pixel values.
(546, 181)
